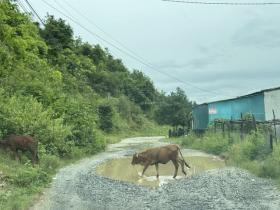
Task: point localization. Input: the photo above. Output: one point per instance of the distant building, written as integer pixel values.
(261, 104)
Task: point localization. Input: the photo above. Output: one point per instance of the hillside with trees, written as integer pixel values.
(70, 94)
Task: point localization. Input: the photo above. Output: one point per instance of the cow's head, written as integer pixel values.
(137, 159)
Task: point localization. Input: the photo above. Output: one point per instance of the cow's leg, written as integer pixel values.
(176, 164)
(182, 163)
(37, 158)
(34, 158)
(157, 169)
(144, 169)
(17, 155)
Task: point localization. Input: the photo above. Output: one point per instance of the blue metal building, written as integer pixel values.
(258, 104)
(200, 117)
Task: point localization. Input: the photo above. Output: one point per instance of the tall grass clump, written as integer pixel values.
(252, 153)
(209, 142)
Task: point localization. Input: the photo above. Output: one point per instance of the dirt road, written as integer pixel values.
(78, 186)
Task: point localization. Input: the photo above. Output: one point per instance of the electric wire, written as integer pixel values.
(225, 3)
(34, 12)
(125, 52)
(107, 34)
(22, 6)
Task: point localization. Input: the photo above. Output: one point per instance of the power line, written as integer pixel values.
(120, 43)
(62, 7)
(225, 3)
(126, 53)
(109, 35)
(131, 56)
(22, 6)
(34, 12)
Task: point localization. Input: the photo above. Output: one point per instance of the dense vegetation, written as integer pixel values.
(252, 153)
(71, 96)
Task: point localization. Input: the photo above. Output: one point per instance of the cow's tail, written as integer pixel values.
(183, 157)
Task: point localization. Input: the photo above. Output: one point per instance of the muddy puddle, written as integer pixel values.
(121, 169)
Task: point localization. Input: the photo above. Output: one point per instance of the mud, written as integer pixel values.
(79, 186)
(121, 169)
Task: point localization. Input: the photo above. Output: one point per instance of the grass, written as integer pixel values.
(20, 183)
(252, 153)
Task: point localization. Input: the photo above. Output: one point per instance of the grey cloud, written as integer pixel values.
(258, 32)
(231, 50)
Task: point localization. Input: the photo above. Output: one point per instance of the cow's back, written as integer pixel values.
(169, 152)
(22, 142)
(162, 154)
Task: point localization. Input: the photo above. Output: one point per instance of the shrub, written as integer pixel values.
(49, 162)
(212, 143)
(252, 147)
(271, 165)
(24, 115)
(105, 113)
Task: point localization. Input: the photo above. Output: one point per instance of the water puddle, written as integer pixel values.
(121, 169)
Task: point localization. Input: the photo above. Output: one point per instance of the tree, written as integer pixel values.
(140, 89)
(57, 34)
(174, 109)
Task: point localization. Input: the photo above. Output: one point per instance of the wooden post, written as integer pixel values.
(241, 127)
(229, 128)
(215, 126)
(223, 127)
(254, 123)
(271, 141)
(231, 124)
(274, 124)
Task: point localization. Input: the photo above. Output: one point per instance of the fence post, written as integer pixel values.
(215, 126)
(274, 124)
(271, 141)
(229, 128)
(223, 128)
(241, 127)
(254, 123)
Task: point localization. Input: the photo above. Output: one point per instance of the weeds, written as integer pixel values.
(251, 153)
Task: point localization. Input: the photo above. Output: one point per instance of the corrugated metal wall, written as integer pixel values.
(272, 102)
(233, 108)
(200, 117)
(260, 104)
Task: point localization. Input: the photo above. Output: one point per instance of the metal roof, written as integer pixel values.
(244, 96)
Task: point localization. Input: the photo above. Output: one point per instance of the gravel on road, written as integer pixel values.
(79, 187)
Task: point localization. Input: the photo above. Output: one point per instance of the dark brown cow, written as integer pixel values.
(162, 155)
(23, 143)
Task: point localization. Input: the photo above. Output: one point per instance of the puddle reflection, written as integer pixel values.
(121, 169)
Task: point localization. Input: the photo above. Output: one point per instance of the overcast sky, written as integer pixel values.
(219, 52)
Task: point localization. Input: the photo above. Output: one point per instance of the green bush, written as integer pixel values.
(253, 147)
(251, 153)
(271, 165)
(214, 143)
(190, 140)
(49, 162)
(209, 142)
(105, 113)
(24, 115)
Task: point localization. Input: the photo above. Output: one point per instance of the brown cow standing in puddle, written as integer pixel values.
(162, 155)
(23, 143)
